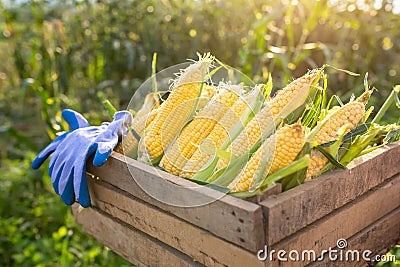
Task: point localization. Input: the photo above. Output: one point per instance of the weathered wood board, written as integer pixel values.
(136, 247)
(199, 244)
(222, 215)
(378, 238)
(290, 211)
(345, 221)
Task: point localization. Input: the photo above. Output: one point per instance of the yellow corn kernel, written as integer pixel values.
(175, 111)
(282, 148)
(150, 118)
(317, 162)
(207, 93)
(196, 131)
(349, 115)
(215, 138)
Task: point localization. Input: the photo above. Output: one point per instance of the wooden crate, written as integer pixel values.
(361, 205)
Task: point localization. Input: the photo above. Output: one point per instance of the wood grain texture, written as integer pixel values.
(136, 247)
(222, 214)
(290, 211)
(346, 221)
(195, 242)
(273, 191)
(378, 238)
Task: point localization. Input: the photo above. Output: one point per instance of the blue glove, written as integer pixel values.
(67, 167)
(75, 121)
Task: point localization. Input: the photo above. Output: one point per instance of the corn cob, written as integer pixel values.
(286, 100)
(349, 115)
(142, 119)
(183, 148)
(218, 135)
(175, 111)
(207, 93)
(150, 118)
(282, 149)
(151, 102)
(317, 163)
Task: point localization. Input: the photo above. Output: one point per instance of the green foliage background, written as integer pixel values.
(74, 54)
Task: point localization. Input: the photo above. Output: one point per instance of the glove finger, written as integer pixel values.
(80, 185)
(55, 178)
(122, 120)
(109, 137)
(103, 151)
(64, 165)
(123, 115)
(56, 164)
(45, 153)
(67, 195)
(52, 164)
(74, 119)
(63, 173)
(51, 167)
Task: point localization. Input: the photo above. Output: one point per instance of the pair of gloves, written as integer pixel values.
(71, 150)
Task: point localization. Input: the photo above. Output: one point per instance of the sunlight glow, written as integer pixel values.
(390, 5)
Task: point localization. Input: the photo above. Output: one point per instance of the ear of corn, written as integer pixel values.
(175, 111)
(220, 133)
(317, 163)
(144, 118)
(150, 118)
(207, 92)
(280, 175)
(348, 115)
(276, 152)
(197, 130)
(282, 104)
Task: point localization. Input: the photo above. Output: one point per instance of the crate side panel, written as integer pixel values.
(346, 221)
(294, 209)
(221, 216)
(134, 246)
(377, 238)
(195, 242)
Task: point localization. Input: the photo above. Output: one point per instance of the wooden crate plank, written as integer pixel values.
(293, 210)
(378, 238)
(136, 247)
(221, 216)
(275, 190)
(346, 221)
(197, 243)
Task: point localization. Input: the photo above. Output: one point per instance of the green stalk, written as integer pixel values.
(386, 105)
(110, 108)
(153, 72)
